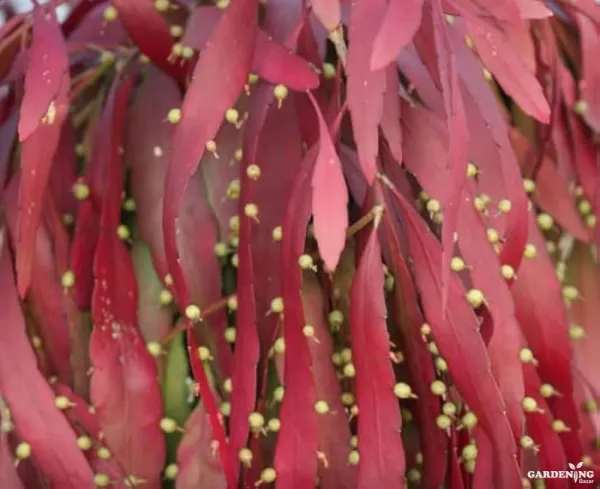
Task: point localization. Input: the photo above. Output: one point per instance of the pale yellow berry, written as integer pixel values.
(234, 224)
(475, 297)
(168, 425)
(354, 441)
(457, 264)
(348, 398)
(162, 5)
(193, 313)
(570, 293)
(449, 408)
(245, 456)
(414, 475)
(23, 451)
(353, 457)
(433, 205)
(508, 272)
(441, 364)
(268, 475)
(280, 92)
(232, 116)
(277, 233)
(530, 251)
(438, 388)
(251, 210)
(253, 171)
(165, 297)
(584, 207)
(84, 443)
(504, 206)
(329, 71)
(581, 107)
(230, 334)
(493, 236)
(235, 260)
(222, 4)
(154, 348)
(279, 346)
(81, 191)
(479, 203)
(232, 303)
(559, 426)
(526, 356)
(590, 221)
(211, 147)
(306, 262)
(547, 390)
(545, 221)
(308, 330)
(336, 318)
(576, 332)
(527, 442)
(469, 420)
(62, 402)
(278, 393)
(321, 407)
(274, 425)
(346, 355)
(443, 422)
(529, 404)
(529, 185)
(176, 31)
(101, 480)
(425, 329)
(68, 279)
(204, 354)
(277, 305)
(233, 190)
(469, 452)
(472, 170)
(221, 249)
(123, 232)
(238, 154)
(225, 409)
(256, 422)
(349, 370)
(171, 471)
(110, 14)
(103, 453)
(403, 391)
(174, 116)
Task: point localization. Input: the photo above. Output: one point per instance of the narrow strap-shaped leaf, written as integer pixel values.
(379, 423)
(29, 397)
(43, 112)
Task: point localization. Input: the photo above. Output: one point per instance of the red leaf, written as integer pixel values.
(505, 342)
(298, 438)
(328, 12)
(382, 454)
(399, 25)
(30, 399)
(197, 460)
(365, 87)
(9, 478)
(43, 111)
(434, 442)
(458, 139)
(124, 385)
(329, 197)
(390, 120)
(498, 56)
(46, 70)
(334, 430)
(150, 32)
(589, 84)
(457, 336)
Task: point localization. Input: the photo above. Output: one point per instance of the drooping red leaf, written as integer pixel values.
(434, 442)
(365, 87)
(43, 111)
(334, 430)
(197, 460)
(390, 120)
(457, 336)
(329, 197)
(505, 343)
(29, 397)
(589, 85)
(9, 478)
(399, 25)
(499, 57)
(379, 423)
(328, 12)
(298, 438)
(124, 384)
(150, 32)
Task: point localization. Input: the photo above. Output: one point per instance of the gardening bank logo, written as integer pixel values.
(579, 476)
